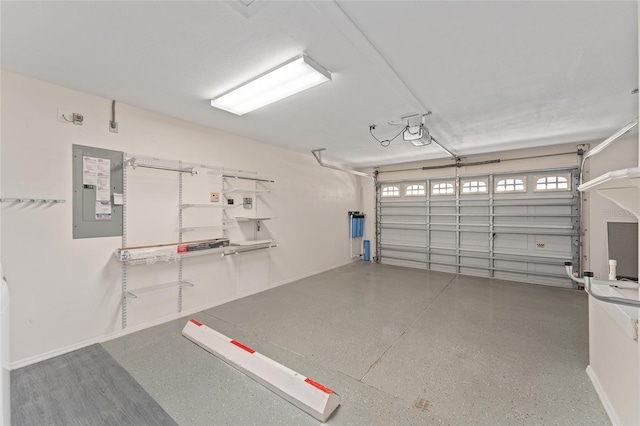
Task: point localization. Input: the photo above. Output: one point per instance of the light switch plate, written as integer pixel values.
(214, 197)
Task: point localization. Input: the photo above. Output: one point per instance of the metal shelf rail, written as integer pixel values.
(137, 161)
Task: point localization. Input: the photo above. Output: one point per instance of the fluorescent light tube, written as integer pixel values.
(296, 75)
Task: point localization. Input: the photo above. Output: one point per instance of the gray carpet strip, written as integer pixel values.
(84, 387)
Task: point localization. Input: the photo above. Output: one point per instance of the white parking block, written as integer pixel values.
(301, 391)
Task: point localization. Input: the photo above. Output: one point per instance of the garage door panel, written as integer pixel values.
(474, 220)
(443, 268)
(506, 242)
(522, 235)
(474, 241)
(466, 261)
(552, 245)
(442, 239)
(448, 259)
(476, 272)
(474, 208)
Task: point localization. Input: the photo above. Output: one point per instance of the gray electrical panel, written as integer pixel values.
(97, 192)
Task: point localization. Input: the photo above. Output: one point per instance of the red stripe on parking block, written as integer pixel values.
(241, 346)
(318, 385)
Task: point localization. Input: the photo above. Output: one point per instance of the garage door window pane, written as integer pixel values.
(552, 183)
(474, 187)
(390, 191)
(415, 190)
(510, 185)
(442, 188)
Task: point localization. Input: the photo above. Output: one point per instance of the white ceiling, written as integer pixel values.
(497, 75)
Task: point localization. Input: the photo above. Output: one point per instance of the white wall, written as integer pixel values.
(614, 366)
(621, 155)
(614, 358)
(66, 292)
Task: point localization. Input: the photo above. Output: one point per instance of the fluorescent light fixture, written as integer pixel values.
(295, 75)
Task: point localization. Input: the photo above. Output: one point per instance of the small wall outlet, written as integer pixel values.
(214, 197)
(78, 119)
(69, 117)
(113, 126)
(248, 203)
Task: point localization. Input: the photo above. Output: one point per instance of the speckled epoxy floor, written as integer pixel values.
(400, 346)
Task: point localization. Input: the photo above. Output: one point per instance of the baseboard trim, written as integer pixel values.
(186, 312)
(613, 417)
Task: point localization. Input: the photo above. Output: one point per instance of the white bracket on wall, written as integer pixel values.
(318, 154)
(31, 200)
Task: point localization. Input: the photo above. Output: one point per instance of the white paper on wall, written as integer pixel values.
(103, 192)
(103, 210)
(118, 199)
(89, 170)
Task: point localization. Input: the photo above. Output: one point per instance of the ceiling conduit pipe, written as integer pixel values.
(318, 154)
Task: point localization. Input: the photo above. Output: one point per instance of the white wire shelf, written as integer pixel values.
(247, 191)
(158, 164)
(620, 186)
(247, 246)
(234, 248)
(204, 228)
(248, 177)
(207, 206)
(155, 288)
(174, 257)
(250, 242)
(252, 219)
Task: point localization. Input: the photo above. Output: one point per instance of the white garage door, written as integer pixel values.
(515, 226)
